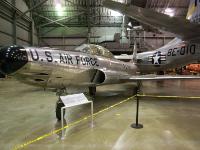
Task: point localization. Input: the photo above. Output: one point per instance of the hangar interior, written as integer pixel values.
(67, 24)
(28, 113)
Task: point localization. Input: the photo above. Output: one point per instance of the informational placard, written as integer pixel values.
(73, 100)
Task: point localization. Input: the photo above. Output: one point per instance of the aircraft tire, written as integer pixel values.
(59, 105)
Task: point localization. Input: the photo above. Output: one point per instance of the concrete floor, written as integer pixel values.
(28, 113)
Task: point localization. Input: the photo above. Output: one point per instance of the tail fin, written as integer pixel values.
(194, 11)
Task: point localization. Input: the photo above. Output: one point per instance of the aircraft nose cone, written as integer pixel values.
(12, 58)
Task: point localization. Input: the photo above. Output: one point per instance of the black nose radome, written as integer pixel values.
(12, 58)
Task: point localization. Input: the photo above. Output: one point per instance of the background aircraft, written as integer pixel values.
(194, 68)
(183, 50)
(92, 65)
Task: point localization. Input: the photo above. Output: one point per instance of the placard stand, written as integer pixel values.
(71, 101)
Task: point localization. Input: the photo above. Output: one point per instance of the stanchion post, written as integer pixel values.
(137, 125)
(92, 112)
(62, 122)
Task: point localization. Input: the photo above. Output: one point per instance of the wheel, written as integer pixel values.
(59, 105)
(92, 91)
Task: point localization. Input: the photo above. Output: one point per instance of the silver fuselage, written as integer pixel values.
(61, 69)
(50, 68)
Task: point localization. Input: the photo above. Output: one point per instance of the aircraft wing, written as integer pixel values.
(160, 77)
(182, 27)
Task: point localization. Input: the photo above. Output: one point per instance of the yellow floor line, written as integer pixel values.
(69, 125)
(158, 96)
(95, 114)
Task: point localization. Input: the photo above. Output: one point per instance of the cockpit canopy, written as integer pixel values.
(95, 50)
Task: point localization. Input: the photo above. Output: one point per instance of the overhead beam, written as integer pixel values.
(7, 5)
(44, 33)
(34, 7)
(49, 19)
(14, 25)
(14, 29)
(31, 26)
(171, 7)
(88, 21)
(76, 5)
(54, 21)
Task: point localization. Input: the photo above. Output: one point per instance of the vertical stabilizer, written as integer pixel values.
(194, 11)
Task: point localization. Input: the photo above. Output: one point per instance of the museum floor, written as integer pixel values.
(27, 119)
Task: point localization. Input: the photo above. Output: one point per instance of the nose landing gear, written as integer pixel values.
(92, 91)
(59, 103)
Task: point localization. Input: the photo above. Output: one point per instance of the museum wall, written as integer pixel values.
(23, 29)
(69, 38)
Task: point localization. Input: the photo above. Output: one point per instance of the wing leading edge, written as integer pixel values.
(182, 27)
(160, 77)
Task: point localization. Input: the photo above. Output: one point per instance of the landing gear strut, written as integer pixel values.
(60, 104)
(92, 91)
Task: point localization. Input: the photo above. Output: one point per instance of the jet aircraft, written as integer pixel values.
(92, 65)
(183, 50)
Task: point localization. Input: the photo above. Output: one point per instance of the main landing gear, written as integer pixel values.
(59, 103)
(92, 91)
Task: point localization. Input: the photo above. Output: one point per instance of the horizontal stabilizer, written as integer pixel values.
(182, 27)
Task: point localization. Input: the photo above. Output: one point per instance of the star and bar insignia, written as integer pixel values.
(157, 58)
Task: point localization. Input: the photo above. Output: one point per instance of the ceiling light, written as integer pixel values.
(58, 8)
(120, 1)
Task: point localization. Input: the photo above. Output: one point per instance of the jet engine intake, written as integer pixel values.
(12, 58)
(99, 77)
